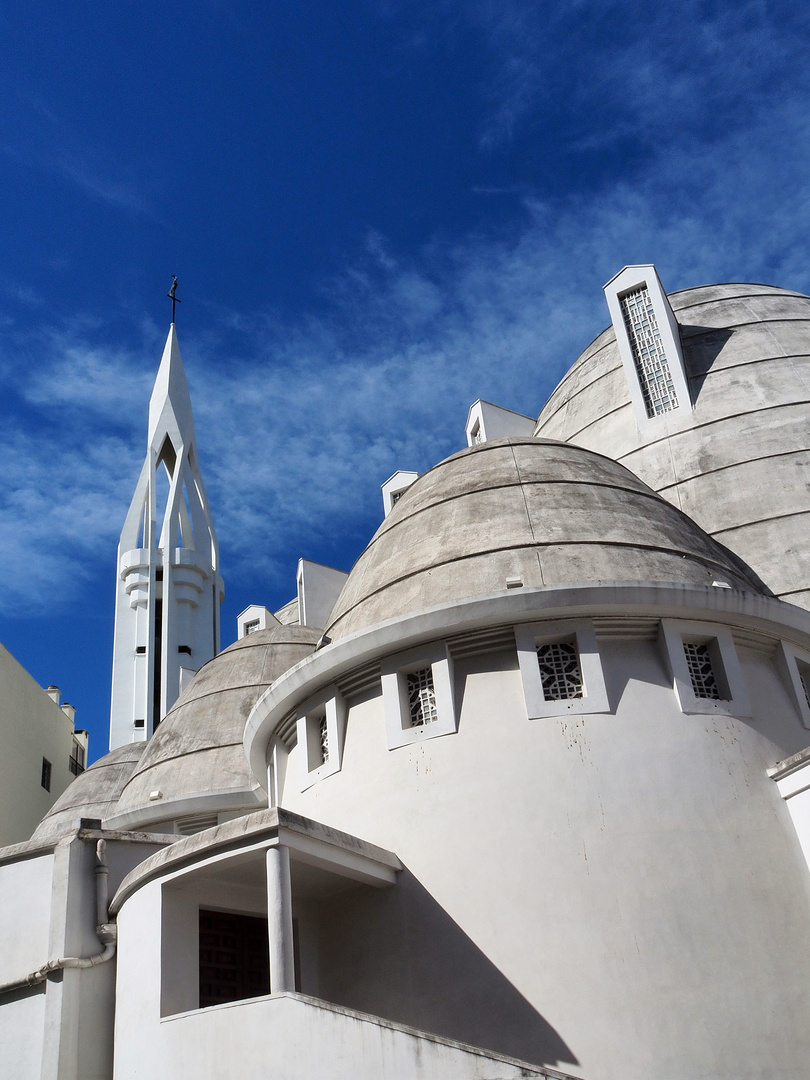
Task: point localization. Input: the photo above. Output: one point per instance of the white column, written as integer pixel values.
(279, 920)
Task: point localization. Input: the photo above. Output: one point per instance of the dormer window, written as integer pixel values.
(251, 627)
(649, 342)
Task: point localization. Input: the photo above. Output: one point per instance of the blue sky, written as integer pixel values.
(378, 212)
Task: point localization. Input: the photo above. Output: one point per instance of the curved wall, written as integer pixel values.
(620, 895)
(739, 464)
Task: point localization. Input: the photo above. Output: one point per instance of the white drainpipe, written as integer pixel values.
(105, 932)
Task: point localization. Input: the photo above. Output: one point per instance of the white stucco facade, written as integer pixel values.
(523, 794)
(42, 750)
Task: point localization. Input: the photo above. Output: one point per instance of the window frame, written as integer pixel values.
(725, 662)
(628, 281)
(331, 704)
(393, 676)
(529, 637)
(791, 659)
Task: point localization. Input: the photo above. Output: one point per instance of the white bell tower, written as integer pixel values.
(168, 589)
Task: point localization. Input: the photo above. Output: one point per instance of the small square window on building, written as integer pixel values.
(321, 729)
(46, 774)
(560, 669)
(704, 667)
(794, 665)
(251, 627)
(560, 672)
(417, 689)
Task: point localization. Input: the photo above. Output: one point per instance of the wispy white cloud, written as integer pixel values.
(90, 179)
(300, 422)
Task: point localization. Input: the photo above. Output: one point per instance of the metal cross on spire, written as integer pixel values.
(171, 295)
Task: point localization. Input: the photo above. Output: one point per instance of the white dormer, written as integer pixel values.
(395, 486)
(649, 344)
(486, 421)
(255, 618)
(318, 589)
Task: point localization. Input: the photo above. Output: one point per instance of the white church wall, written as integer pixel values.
(294, 1036)
(25, 910)
(596, 829)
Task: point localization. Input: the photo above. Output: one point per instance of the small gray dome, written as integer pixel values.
(548, 513)
(93, 794)
(198, 746)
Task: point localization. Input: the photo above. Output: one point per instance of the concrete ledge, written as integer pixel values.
(209, 802)
(508, 607)
(32, 849)
(314, 843)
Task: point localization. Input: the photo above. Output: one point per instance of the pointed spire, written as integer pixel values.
(170, 404)
(169, 586)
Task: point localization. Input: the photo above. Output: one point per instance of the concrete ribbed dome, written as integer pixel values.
(739, 462)
(198, 747)
(93, 794)
(547, 513)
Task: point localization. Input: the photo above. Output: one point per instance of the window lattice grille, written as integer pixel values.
(252, 627)
(701, 672)
(652, 366)
(560, 672)
(323, 735)
(804, 678)
(421, 697)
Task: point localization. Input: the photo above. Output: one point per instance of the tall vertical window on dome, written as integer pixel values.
(649, 355)
(560, 673)
(421, 697)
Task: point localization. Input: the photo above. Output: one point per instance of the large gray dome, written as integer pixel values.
(547, 513)
(739, 463)
(198, 747)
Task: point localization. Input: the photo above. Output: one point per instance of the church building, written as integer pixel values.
(524, 794)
